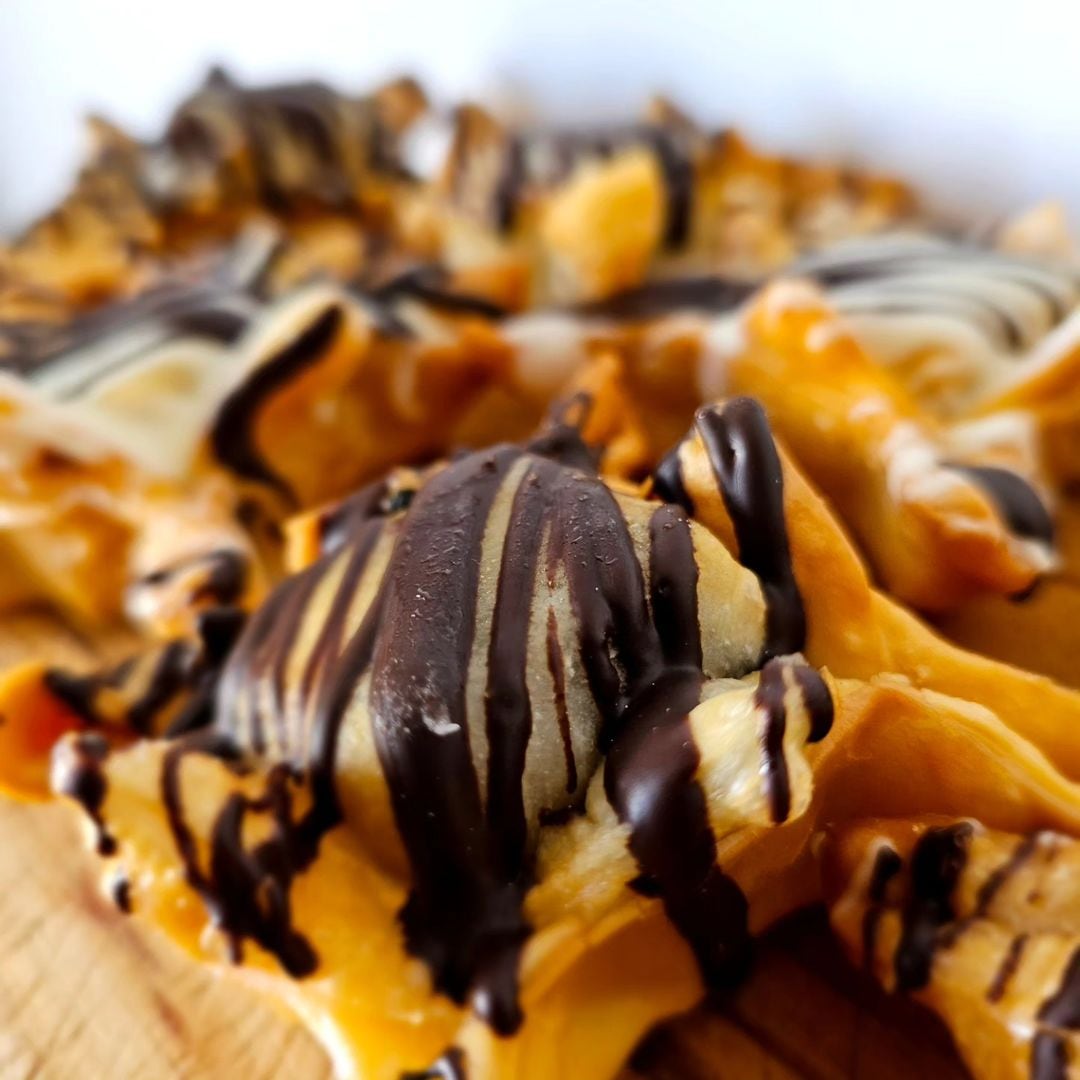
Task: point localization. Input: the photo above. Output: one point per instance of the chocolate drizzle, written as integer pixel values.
(428, 284)
(77, 773)
(673, 580)
(1015, 499)
(450, 1066)
(460, 912)
(989, 889)
(1050, 1055)
(936, 864)
(509, 712)
(650, 780)
(166, 312)
(120, 891)
(747, 468)
(1007, 968)
(769, 697)
(772, 690)
(558, 681)
(637, 645)
(714, 295)
(233, 433)
(887, 864)
(546, 158)
(224, 574)
(246, 890)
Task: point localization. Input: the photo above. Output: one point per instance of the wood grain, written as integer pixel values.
(87, 992)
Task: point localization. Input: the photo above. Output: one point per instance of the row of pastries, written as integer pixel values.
(554, 557)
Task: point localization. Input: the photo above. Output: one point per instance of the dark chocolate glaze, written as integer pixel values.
(567, 148)
(120, 891)
(936, 864)
(428, 284)
(673, 580)
(172, 310)
(309, 116)
(245, 889)
(1050, 1057)
(712, 295)
(508, 189)
(650, 781)
(1006, 969)
(637, 643)
(232, 435)
(461, 913)
(887, 864)
(183, 677)
(77, 773)
(223, 579)
(747, 468)
(380, 498)
(1020, 507)
(171, 676)
(678, 172)
(818, 701)
(1025, 848)
(667, 481)
(509, 712)
(450, 1066)
(769, 698)
(79, 692)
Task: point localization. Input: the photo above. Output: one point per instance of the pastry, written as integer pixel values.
(541, 574)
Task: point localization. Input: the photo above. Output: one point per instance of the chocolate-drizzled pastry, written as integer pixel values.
(603, 204)
(535, 162)
(980, 925)
(464, 665)
(565, 554)
(520, 744)
(276, 144)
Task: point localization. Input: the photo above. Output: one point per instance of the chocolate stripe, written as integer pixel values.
(509, 711)
(673, 580)
(459, 915)
(887, 864)
(1009, 963)
(1050, 1055)
(1015, 499)
(650, 781)
(747, 468)
(232, 435)
(936, 864)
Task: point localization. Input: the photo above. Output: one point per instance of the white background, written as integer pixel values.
(979, 102)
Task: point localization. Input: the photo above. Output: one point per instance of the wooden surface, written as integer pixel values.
(90, 993)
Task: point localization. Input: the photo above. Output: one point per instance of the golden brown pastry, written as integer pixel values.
(979, 924)
(482, 713)
(415, 723)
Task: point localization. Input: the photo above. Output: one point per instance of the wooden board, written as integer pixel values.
(87, 992)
